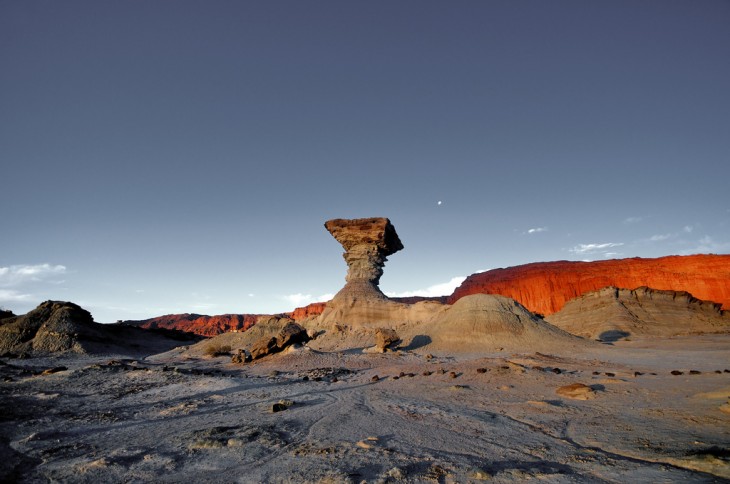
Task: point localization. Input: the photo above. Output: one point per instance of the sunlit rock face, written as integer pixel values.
(545, 287)
(367, 243)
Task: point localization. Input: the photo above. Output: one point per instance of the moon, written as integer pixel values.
(438, 203)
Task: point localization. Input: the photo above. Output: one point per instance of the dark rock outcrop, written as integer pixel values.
(59, 327)
(291, 333)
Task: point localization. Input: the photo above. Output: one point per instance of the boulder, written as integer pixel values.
(386, 338)
(290, 334)
(263, 347)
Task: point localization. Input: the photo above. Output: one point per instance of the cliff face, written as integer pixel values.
(545, 287)
(314, 309)
(199, 324)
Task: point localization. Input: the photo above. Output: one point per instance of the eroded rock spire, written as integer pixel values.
(367, 242)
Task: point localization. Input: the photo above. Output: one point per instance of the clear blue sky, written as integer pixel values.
(175, 156)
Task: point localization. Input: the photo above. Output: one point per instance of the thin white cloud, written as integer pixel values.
(594, 248)
(537, 230)
(299, 299)
(16, 275)
(688, 229)
(632, 220)
(442, 289)
(9, 295)
(708, 245)
(660, 237)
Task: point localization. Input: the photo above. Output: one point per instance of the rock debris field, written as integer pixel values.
(307, 415)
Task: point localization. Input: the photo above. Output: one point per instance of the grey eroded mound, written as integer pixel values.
(610, 314)
(64, 327)
(486, 322)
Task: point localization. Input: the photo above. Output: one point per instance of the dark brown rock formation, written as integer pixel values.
(367, 242)
(290, 334)
(59, 327)
(545, 287)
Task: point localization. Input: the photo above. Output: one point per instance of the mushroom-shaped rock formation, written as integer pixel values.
(367, 242)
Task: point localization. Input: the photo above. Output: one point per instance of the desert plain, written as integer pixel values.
(376, 390)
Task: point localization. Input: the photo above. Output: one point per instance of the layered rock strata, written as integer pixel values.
(545, 287)
(611, 314)
(367, 243)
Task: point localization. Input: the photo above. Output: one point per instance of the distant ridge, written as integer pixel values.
(545, 287)
(198, 323)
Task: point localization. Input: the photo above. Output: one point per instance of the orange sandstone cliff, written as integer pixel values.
(199, 324)
(545, 287)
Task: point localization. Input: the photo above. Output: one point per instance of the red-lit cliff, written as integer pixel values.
(544, 287)
(199, 324)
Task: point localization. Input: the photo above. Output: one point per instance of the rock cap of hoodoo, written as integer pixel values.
(367, 243)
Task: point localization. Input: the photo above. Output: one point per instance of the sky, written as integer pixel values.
(180, 156)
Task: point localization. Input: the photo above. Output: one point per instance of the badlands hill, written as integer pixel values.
(545, 287)
(64, 327)
(611, 313)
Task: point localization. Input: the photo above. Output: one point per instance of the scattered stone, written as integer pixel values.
(273, 373)
(427, 373)
(596, 372)
(481, 370)
(364, 445)
(375, 378)
(694, 372)
(677, 372)
(576, 391)
(718, 371)
(396, 473)
(305, 378)
(452, 374)
(538, 368)
(281, 405)
(396, 377)
(637, 373)
(459, 387)
(725, 407)
(726, 370)
(402, 374)
(557, 371)
(241, 356)
(334, 379)
(429, 356)
(8, 379)
(610, 374)
(441, 371)
(480, 475)
(56, 369)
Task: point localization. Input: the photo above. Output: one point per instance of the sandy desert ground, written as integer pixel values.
(184, 417)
